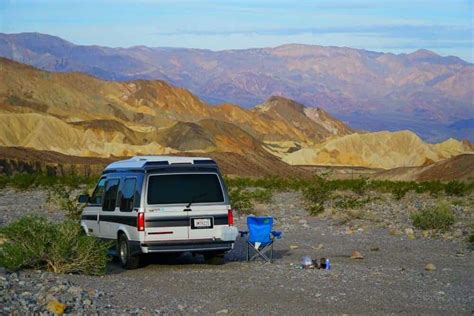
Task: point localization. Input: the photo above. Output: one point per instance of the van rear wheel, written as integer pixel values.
(126, 259)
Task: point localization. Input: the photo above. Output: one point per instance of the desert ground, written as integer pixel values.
(391, 277)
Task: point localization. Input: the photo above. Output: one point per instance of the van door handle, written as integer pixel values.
(98, 217)
(187, 210)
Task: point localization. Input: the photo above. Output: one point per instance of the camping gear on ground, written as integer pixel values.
(322, 265)
(260, 237)
(307, 262)
(325, 264)
(328, 264)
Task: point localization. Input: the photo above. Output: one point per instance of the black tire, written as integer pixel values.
(127, 261)
(214, 258)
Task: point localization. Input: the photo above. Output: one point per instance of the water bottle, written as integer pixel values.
(328, 264)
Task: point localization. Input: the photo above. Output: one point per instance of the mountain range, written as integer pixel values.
(428, 94)
(79, 115)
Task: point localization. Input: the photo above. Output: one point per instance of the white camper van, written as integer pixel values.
(152, 204)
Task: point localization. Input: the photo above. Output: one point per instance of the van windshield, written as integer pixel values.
(184, 189)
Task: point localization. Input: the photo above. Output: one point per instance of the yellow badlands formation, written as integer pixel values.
(377, 150)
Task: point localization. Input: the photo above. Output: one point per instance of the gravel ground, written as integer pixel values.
(390, 279)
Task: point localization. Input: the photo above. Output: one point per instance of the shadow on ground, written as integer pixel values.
(186, 259)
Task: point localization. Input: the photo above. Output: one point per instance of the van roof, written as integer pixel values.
(141, 162)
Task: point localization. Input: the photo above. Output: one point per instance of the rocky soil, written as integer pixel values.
(401, 271)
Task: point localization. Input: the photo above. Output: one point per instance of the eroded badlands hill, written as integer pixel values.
(79, 115)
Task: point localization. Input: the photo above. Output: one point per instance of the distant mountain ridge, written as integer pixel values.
(79, 115)
(421, 91)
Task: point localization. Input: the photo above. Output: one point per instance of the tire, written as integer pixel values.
(127, 261)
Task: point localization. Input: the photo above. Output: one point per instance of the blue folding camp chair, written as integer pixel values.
(260, 237)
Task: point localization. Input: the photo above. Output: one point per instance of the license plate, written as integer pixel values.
(202, 223)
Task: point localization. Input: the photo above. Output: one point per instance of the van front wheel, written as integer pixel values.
(126, 259)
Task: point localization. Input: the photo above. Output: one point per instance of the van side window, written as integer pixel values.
(96, 197)
(110, 196)
(128, 194)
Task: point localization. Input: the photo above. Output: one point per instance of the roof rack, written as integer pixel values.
(140, 162)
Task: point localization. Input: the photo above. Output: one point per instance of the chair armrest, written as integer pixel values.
(243, 233)
(277, 234)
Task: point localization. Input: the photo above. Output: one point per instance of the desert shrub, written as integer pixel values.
(273, 183)
(34, 242)
(316, 194)
(261, 195)
(439, 217)
(349, 202)
(241, 200)
(3, 182)
(66, 199)
(433, 187)
(24, 180)
(359, 186)
(455, 188)
(400, 191)
(347, 216)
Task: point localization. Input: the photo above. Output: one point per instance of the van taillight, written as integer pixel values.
(230, 217)
(141, 222)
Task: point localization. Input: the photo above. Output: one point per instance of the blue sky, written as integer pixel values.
(445, 27)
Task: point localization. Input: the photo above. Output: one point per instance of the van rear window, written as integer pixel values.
(184, 189)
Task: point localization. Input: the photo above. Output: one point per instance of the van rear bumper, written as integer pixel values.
(202, 245)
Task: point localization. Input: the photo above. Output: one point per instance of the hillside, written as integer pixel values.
(377, 150)
(421, 91)
(457, 168)
(78, 115)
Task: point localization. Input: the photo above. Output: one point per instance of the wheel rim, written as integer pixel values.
(123, 252)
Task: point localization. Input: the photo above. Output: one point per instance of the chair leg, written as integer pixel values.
(248, 252)
(271, 254)
(260, 253)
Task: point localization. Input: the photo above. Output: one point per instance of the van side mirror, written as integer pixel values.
(84, 198)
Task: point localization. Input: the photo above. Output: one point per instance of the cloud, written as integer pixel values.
(425, 32)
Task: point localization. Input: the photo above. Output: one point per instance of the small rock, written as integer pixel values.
(294, 247)
(75, 290)
(87, 302)
(430, 267)
(25, 294)
(223, 311)
(426, 233)
(374, 249)
(181, 307)
(56, 307)
(356, 255)
(459, 254)
(395, 232)
(410, 233)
